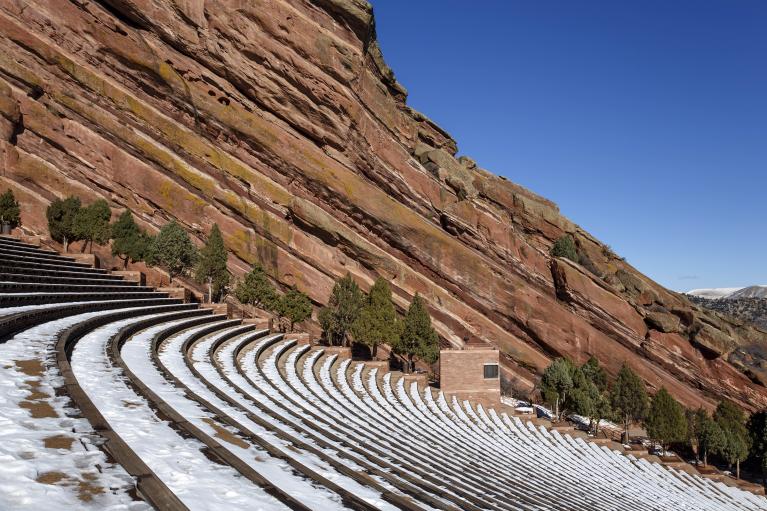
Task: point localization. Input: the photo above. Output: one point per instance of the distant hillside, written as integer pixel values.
(730, 292)
(750, 292)
(714, 293)
(744, 308)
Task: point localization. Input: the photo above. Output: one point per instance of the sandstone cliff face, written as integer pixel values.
(280, 121)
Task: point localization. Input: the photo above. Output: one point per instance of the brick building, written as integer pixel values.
(471, 373)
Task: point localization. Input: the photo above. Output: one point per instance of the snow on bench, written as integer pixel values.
(48, 459)
(275, 470)
(179, 462)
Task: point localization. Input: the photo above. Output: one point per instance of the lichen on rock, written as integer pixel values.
(287, 128)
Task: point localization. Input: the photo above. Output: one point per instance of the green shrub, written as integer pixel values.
(211, 266)
(418, 338)
(295, 306)
(91, 224)
(256, 290)
(343, 309)
(377, 321)
(61, 216)
(564, 246)
(129, 242)
(173, 250)
(9, 209)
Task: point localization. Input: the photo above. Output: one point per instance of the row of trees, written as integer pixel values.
(69, 221)
(350, 315)
(585, 390)
(372, 320)
(171, 249)
(256, 289)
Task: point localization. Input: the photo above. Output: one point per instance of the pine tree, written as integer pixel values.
(61, 216)
(91, 224)
(343, 309)
(256, 290)
(595, 373)
(600, 407)
(556, 384)
(629, 399)
(129, 242)
(583, 398)
(377, 322)
(710, 436)
(602, 410)
(9, 209)
(418, 338)
(666, 421)
(695, 420)
(736, 438)
(295, 306)
(173, 250)
(757, 430)
(211, 265)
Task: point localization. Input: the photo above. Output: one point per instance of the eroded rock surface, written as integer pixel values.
(280, 121)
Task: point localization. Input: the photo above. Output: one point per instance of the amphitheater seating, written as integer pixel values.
(163, 404)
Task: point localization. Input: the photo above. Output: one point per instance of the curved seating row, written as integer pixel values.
(63, 454)
(192, 410)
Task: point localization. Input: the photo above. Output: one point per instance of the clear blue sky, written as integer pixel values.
(645, 121)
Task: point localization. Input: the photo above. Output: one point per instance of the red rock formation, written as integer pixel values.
(280, 121)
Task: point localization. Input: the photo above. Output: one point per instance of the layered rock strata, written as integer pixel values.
(280, 121)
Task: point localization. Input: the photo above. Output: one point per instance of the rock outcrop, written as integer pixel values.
(280, 121)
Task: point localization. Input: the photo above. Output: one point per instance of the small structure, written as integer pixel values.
(471, 373)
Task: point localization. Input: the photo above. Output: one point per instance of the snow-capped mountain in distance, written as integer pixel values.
(730, 292)
(750, 292)
(714, 293)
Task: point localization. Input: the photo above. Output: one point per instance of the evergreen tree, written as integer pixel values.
(418, 338)
(736, 443)
(91, 224)
(600, 407)
(256, 290)
(602, 410)
(595, 373)
(211, 265)
(61, 216)
(564, 246)
(9, 209)
(295, 306)
(666, 421)
(695, 420)
(129, 242)
(710, 436)
(377, 321)
(343, 309)
(173, 250)
(583, 397)
(628, 399)
(556, 383)
(757, 430)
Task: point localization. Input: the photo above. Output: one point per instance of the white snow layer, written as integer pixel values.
(47, 459)
(714, 293)
(179, 462)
